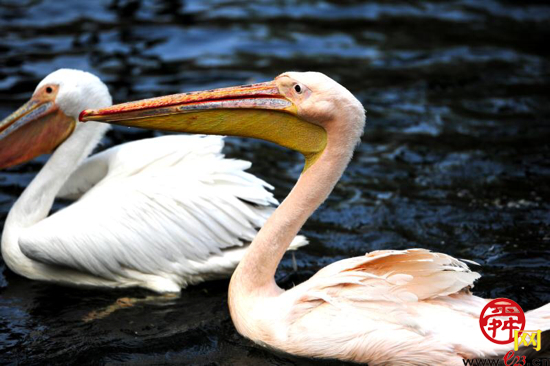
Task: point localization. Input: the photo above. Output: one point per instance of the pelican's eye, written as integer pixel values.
(49, 90)
(298, 88)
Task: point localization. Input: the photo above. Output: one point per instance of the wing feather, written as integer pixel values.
(394, 275)
(165, 206)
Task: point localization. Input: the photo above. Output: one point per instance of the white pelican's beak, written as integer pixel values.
(36, 128)
(257, 110)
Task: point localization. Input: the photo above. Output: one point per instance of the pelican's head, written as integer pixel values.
(50, 116)
(294, 110)
(319, 99)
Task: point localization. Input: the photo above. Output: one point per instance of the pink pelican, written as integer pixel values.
(394, 307)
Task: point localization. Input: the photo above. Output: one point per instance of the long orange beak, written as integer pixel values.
(36, 128)
(257, 111)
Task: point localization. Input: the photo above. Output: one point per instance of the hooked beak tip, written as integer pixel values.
(82, 116)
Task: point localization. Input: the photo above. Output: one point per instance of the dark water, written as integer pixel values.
(455, 157)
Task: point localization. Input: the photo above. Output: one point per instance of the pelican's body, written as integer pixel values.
(397, 307)
(409, 307)
(158, 213)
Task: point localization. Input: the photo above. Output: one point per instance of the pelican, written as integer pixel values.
(159, 213)
(393, 307)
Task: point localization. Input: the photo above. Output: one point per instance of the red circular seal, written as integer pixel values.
(499, 318)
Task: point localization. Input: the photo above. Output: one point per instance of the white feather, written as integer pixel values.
(158, 213)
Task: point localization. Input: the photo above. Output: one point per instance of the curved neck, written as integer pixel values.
(256, 270)
(37, 199)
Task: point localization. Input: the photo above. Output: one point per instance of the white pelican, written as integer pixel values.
(398, 307)
(158, 213)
